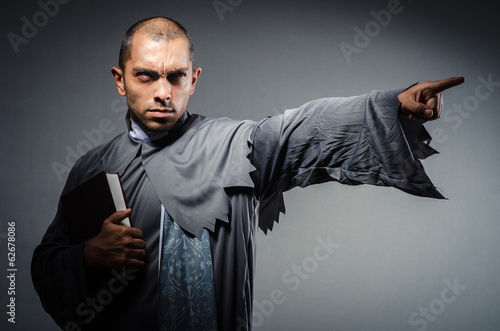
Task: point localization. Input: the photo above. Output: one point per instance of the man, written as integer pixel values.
(198, 188)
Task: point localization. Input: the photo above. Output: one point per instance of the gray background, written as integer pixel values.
(395, 252)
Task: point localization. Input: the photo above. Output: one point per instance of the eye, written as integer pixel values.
(176, 77)
(146, 76)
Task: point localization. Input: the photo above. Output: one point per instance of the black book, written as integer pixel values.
(87, 206)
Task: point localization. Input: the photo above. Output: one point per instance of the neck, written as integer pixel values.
(147, 136)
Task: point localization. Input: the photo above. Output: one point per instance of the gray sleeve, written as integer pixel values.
(354, 140)
(59, 274)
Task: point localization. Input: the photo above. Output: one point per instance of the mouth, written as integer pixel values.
(161, 112)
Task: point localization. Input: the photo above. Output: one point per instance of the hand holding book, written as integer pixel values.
(116, 246)
(96, 212)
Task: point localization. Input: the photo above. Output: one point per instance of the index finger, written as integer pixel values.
(133, 232)
(441, 85)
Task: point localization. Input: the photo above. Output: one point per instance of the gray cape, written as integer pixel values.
(226, 176)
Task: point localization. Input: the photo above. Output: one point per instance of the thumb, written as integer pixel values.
(118, 216)
(417, 110)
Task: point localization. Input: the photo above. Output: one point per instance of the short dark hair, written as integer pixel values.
(158, 28)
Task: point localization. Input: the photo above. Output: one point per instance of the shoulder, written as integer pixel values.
(222, 128)
(106, 157)
(97, 154)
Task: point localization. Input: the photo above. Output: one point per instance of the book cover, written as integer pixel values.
(87, 206)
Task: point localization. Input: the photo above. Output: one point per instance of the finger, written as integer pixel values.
(133, 264)
(418, 110)
(133, 232)
(139, 243)
(119, 216)
(132, 258)
(432, 103)
(441, 85)
(135, 243)
(138, 254)
(439, 106)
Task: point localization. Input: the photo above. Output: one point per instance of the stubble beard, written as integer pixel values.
(153, 125)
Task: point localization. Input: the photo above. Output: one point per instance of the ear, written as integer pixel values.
(196, 74)
(120, 83)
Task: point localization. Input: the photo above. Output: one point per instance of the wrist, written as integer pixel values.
(89, 254)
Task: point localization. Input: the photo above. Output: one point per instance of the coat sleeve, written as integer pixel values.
(59, 274)
(354, 140)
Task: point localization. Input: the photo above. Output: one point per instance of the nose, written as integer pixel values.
(163, 89)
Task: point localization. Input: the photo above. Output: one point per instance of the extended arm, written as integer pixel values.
(357, 140)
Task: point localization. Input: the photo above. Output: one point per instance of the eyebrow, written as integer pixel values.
(156, 73)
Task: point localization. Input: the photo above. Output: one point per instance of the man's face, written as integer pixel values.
(157, 81)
